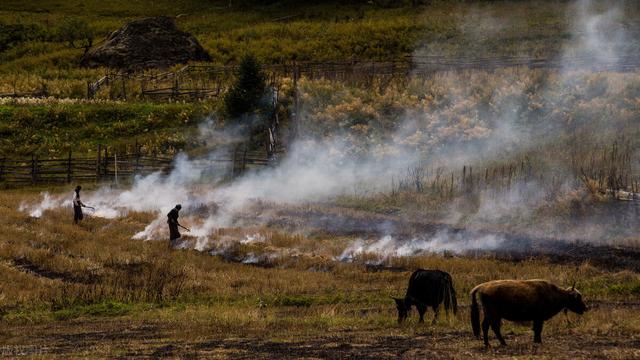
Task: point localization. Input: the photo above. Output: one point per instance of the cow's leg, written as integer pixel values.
(421, 310)
(435, 315)
(485, 330)
(495, 326)
(537, 331)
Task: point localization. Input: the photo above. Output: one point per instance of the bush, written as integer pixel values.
(625, 289)
(77, 33)
(14, 34)
(294, 300)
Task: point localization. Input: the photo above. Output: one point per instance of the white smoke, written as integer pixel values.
(48, 202)
(319, 170)
(598, 32)
(312, 171)
(254, 238)
(442, 241)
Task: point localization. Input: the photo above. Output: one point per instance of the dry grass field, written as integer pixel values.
(91, 291)
(505, 173)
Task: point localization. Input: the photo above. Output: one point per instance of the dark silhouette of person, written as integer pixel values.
(77, 206)
(172, 220)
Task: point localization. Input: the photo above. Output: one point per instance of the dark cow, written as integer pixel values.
(427, 288)
(520, 300)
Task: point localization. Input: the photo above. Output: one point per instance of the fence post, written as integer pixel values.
(154, 158)
(373, 73)
(239, 159)
(464, 178)
(34, 173)
(234, 162)
(244, 158)
(69, 168)
(451, 188)
(176, 86)
(2, 168)
(486, 177)
(106, 162)
(115, 166)
(137, 168)
(98, 163)
(296, 100)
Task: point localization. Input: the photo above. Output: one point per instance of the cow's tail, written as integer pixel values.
(454, 299)
(475, 313)
(450, 300)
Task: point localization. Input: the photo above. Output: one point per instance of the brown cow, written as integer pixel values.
(520, 300)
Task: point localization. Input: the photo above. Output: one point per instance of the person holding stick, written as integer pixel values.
(172, 220)
(78, 205)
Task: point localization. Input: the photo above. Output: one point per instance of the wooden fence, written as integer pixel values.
(43, 92)
(194, 82)
(606, 169)
(445, 182)
(202, 81)
(106, 167)
(65, 170)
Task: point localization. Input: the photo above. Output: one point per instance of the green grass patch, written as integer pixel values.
(101, 309)
(632, 288)
(294, 300)
(106, 308)
(81, 127)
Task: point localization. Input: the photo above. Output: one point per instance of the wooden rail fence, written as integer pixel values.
(106, 167)
(194, 82)
(202, 81)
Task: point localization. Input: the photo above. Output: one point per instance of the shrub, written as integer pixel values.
(294, 300)
(14, 34)
(77, 33)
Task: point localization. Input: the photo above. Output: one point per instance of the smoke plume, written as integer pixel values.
(321, 169)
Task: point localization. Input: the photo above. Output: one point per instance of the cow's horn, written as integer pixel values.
(573, 287)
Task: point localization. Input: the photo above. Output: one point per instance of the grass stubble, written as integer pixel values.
(90, 290)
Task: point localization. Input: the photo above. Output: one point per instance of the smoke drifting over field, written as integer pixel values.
(442, 241)
(316, 170)
(598, 31)
(48, 202)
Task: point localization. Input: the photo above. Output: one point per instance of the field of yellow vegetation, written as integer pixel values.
(90, 290)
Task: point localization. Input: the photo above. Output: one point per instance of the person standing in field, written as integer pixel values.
(77, 206)
(172, 220)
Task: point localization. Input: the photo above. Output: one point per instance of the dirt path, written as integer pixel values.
(426, 346)
(125, 338)
(25, 265)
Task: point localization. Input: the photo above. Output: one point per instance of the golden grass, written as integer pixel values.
(95, 274)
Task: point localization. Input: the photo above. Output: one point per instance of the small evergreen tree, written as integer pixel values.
(246, 94)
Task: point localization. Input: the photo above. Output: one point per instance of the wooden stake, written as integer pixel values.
(69, 168)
